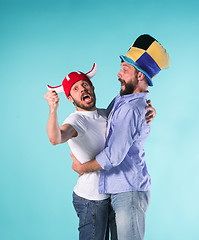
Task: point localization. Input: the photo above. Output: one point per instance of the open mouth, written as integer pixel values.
(86, 98)
(122, 84)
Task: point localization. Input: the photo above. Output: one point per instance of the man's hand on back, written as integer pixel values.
(151, 112)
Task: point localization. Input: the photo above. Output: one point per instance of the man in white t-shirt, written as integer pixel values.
(85, 132)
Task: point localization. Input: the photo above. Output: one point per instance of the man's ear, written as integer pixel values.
(70, 99)
(140, 76)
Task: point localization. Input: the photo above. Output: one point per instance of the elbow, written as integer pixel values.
(53, 142)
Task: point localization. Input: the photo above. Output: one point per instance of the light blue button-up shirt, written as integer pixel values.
(123, 159)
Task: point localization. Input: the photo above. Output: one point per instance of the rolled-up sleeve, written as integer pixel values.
(122, 133)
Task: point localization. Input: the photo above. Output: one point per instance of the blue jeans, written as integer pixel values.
(93, 218)
(130, 209)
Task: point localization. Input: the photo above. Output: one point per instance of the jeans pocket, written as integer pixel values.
(82, 210)
(144, 200)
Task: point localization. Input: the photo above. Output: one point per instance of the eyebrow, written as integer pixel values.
(125, 65)
(83, 81)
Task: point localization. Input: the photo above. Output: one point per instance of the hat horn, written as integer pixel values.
(92, 71)
(57, 89)
(60, 89)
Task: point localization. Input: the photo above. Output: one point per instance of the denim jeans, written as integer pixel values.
(130, 209)
(93, 218)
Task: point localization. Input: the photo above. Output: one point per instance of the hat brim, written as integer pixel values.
(131, 62)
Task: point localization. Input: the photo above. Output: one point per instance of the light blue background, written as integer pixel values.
(42, 41)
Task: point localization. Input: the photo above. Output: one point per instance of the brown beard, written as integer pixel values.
(129, 89)
(82, 106)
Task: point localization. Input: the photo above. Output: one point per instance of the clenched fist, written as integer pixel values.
(52, 100)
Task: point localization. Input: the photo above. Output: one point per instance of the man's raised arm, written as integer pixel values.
(57, 134)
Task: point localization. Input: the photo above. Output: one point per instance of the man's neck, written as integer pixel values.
(140, 89)
(88, 110)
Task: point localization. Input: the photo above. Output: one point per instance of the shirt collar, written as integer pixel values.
(87, 113)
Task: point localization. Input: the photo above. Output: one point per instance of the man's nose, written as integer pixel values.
(82, 88)
(119, 74)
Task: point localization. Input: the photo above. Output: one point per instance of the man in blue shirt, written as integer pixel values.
(122, 163)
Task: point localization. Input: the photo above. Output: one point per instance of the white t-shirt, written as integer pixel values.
(91, 129)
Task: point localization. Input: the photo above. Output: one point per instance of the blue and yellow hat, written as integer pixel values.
(148, 56)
